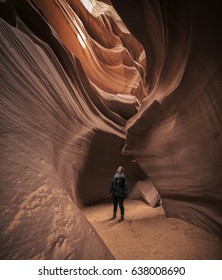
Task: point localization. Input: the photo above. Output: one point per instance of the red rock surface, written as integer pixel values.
(178, 128)
(76, 88)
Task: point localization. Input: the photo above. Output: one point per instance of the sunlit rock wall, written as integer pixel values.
(63, 87)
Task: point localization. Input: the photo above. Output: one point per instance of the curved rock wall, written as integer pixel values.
(178, 128)
(51, 111)
(76, 87)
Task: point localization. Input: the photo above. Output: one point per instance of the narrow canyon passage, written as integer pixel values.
(147, 234)
(86, 86)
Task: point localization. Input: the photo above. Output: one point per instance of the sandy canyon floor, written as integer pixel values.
(146, 233)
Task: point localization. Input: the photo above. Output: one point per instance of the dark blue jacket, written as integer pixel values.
(119, 186)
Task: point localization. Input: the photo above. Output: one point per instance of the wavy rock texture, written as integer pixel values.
(65, 89)
(76, 87)
(178, 128)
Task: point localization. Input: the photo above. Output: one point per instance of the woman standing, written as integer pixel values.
(119, 191)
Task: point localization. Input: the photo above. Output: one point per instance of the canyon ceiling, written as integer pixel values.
(87, 85)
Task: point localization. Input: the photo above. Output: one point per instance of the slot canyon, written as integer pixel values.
(86, 86)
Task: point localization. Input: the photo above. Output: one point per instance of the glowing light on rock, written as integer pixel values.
(81, 36)
(88, 4)
(81, 41)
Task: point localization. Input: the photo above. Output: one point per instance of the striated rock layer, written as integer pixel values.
(41, 130)
(76, 87)
(56, 98)
(178, 129)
